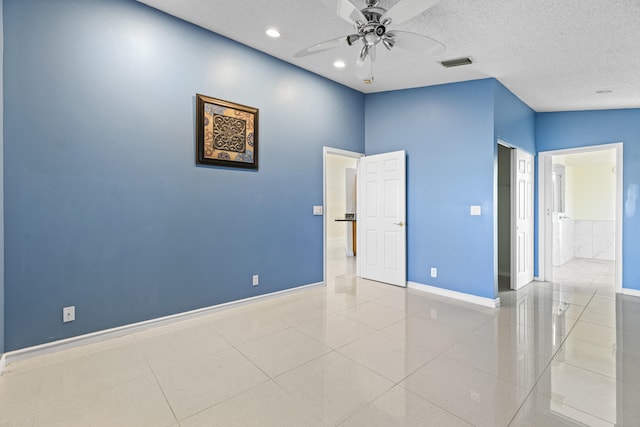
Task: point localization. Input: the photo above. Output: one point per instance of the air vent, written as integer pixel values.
(457, 62)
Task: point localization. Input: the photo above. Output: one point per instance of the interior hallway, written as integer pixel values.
(353, 353)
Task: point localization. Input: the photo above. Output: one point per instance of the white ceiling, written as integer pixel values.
(553, 54)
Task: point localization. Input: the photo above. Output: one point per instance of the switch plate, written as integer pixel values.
(476, 210)
(317, 210)
(69, 314)
(434, 272)
(256, 280)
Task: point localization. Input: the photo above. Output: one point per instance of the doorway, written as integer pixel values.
(504, 218)
(514, 217)
(340, 249)
(580, 215)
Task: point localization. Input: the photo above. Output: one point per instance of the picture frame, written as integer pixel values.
(226, 133)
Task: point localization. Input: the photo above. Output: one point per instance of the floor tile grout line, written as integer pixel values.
(535, 384)
(166, 399)
(298, 404)
(226, 399)
(348, 358)
(436, 405)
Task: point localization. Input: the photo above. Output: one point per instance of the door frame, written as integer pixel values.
(545, 226)
(345, 153)
(512, 215)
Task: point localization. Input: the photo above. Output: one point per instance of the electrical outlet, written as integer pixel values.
(434, 272)
(69, 314)
(256, 280)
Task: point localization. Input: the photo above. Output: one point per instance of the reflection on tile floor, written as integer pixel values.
(356, 353)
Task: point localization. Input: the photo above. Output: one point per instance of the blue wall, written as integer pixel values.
(555, 131)
(105, 207)
(448, 133)
(1, 185)
(515, 121)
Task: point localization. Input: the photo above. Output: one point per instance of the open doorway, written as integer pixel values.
(340, 245)
(504, 218)
(581, 217)
(514, 208)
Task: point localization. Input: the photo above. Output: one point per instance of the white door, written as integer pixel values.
(522, 218)
(381, 217)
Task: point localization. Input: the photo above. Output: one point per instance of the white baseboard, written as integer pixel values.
(631, 292)
(3, 363)
(93, 337)
(473, 299)
(504, 273)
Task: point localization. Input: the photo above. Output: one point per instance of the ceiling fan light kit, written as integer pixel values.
(372, 25)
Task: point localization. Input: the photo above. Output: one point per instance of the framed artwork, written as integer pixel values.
(226, 133)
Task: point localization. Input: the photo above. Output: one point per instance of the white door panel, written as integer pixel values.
(381, 218)
(522, 227)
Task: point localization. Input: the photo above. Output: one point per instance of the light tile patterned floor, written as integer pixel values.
(356, 353)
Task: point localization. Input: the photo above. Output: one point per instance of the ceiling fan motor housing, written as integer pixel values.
(373, 30)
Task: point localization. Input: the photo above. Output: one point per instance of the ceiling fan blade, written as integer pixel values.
(345, 10)
(407, 9)
(414, 42)
(321, 47)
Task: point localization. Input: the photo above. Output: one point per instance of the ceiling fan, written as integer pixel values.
(372, 28)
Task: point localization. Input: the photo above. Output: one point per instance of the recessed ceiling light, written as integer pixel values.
(272, 32)
(339, 64)
(604, 91)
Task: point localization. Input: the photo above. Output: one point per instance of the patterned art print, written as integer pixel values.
(227, 133)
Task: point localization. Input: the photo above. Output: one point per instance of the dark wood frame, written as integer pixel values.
(201, 101)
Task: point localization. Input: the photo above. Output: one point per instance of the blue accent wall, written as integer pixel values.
(448, 133)
(1, 183)
(514, 120)
(556, 131)
(105, 207)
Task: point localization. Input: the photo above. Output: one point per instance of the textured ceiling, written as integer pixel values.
(553, 54)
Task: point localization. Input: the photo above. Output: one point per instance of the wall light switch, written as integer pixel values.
(476, 210)
(317, 210)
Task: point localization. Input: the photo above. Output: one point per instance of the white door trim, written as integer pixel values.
(544, 204)
(340, 152)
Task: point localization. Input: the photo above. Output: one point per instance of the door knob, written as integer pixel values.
(399, 223)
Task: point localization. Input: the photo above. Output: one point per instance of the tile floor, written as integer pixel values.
(356, 353)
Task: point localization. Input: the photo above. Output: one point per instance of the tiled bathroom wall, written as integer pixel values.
(583, 239)
(594, 239)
